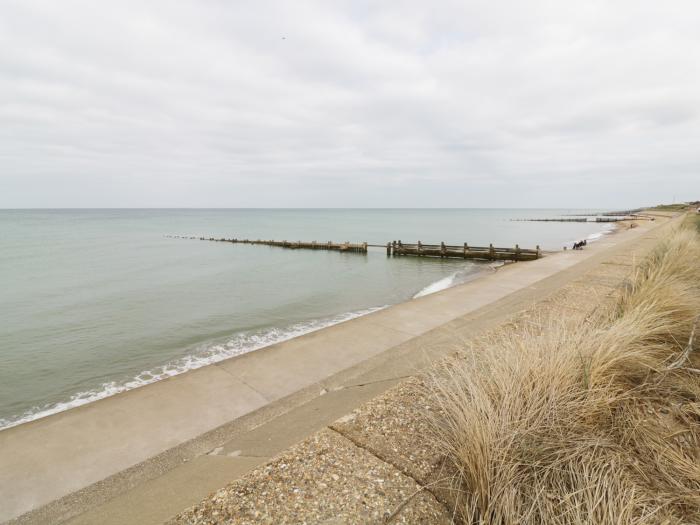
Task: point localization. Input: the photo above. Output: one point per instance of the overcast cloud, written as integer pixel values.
(348, 103)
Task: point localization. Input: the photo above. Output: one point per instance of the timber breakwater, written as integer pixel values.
(293, 245)
(464, 251)
(396, 248)
(605, 217)
(583, 219)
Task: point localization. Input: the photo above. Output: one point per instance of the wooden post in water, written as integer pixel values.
(388, 249)
(393, 247)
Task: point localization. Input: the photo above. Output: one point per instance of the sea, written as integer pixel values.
(96, 302)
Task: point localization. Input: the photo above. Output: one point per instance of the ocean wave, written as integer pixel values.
(204, 355)
(608, 228)
(442, 284)
(458, 277)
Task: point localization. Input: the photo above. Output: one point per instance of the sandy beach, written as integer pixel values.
(106, 448)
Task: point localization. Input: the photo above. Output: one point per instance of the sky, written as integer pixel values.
(213, 103)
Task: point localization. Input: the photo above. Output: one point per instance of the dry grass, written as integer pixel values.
(692, 220)
(591, 420)
(670, 207)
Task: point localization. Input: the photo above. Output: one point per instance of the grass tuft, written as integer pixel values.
(592, 420)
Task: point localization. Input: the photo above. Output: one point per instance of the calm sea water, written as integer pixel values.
(94, 302)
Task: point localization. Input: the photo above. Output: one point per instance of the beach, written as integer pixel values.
(114, 445)
(100, 302)
(335, 262)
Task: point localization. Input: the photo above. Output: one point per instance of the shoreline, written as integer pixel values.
(392, 430)
(194, 361)
(147, 422)
(172, 369)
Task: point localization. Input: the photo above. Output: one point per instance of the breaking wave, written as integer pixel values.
(459, 277)
(240, 343)
(608, 228)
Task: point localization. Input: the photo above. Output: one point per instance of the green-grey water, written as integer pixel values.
(94, 302)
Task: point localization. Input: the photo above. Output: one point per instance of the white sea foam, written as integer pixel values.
(608, 228)
(442, 284)
(596, 236)
(458, 277)
(241, 343)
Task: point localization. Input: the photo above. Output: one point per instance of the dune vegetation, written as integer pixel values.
(693, 221)
(584, 420)
(671, 207)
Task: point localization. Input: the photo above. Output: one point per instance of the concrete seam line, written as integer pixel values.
(386, 327)
(380, 457)
(237, 378)
(357, 385)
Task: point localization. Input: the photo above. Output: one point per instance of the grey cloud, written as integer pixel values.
(284, 103)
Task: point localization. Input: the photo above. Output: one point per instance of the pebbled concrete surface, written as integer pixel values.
(324, 479)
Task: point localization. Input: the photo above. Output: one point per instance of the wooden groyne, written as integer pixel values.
(610, 219)
(623, 213)
(611, 216)
(464, 251)
(565, 219)
(294, 245)
(582, 219)
(634, 212)
(396, 248)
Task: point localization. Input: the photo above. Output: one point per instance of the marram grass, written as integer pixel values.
(591, 420)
